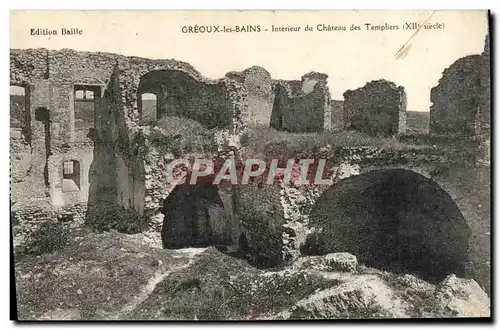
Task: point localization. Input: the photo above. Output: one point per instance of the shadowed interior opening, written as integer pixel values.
(394, 220)
(191, 216)
(43, 115)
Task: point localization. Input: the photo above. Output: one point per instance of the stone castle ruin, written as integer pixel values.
(83, 140)
(461, 100)
(88, 145)
(302, 106)
(377, 108)
(455, 99)
(258, 83)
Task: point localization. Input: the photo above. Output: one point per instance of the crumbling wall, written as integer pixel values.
(258, 84)
(218, 103)
(49, 77)
(214, 103)
(452, 168)
(194, 216)
(181, 95)
(261, 214)
(483, 132)
(39, 228)
(455, 100)
(292, 233)
(302, 106)
(379, 107)
(84, 156)
(114, 175)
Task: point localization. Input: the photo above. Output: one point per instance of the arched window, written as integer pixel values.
(71, 176)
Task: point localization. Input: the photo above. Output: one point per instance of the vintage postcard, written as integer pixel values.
(250, 165)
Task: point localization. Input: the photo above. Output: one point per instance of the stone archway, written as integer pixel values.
(194, 215)
(395, 220)
(178, 94)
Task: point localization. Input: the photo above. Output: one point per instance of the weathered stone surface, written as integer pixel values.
(363, 297)
(463, 298)
(455, 100)
(384, 218)
(341, 262)
(37, 227)
(20, 152)
(258, 84)
(302, 106)
(108, 148)
(123, 160)
(379, 107)
(483, 127)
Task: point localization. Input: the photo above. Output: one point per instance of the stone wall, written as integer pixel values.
(49, 77)
(455, 99)
(276, 219)
(28, 220)
(394, 219)
(195, 216)
(225, 99)
(379, 107)
(123, 168)
(454, 170)
(261, 215)
(110, 155)
(217, 104)
(258, 84)
(483, 132)
(181, 95)
(302, 106)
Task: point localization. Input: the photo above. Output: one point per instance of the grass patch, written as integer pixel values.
(50, 237)
(218, 286)
(96, 274)
(417, 122)
(205, 291)
(183, 135)
(269, 143)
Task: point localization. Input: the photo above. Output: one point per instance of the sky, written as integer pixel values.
(349, 58)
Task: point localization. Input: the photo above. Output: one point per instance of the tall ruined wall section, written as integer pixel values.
(307, 109)
(483, 131)
(49, 77)
(261, 216)
(379, 107)
(115, 178)
(258, 84)
(141, 161)
(51, 135)
(455, 100)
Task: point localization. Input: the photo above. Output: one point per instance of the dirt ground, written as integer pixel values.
(114, 276)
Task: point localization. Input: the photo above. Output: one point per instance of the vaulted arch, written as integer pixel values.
(395, 220)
